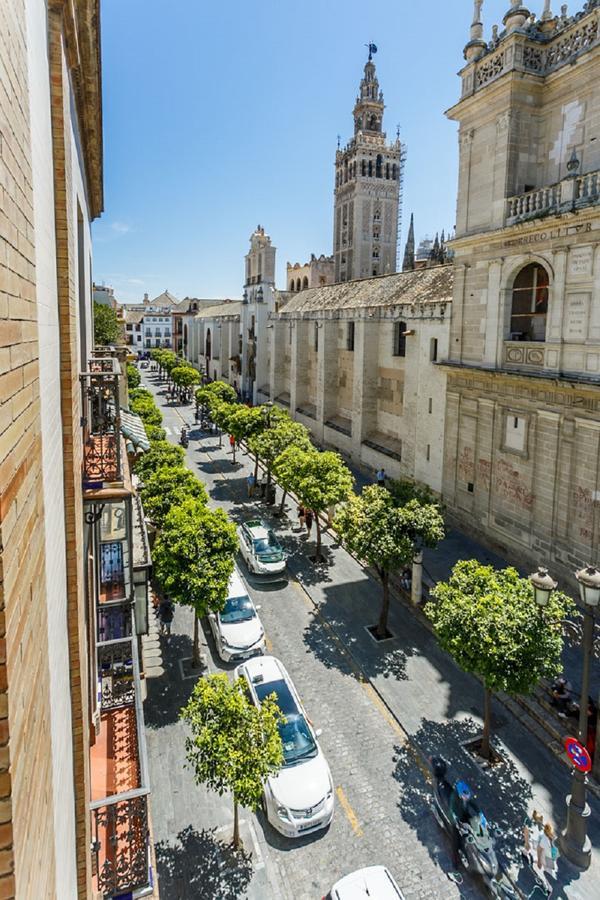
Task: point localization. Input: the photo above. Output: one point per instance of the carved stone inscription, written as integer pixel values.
(580, 262)
(577, 307)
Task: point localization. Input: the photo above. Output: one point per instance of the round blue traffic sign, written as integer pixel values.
(578, 754)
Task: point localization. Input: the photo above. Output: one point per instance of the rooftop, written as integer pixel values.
(226, 308)
(433, 285)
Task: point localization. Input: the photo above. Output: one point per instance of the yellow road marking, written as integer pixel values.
(268, 645)
(350, 814)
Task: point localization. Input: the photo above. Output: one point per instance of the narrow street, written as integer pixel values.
(382, 708)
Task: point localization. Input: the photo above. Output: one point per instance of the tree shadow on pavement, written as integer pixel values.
(503, 795)
(201, 865)
(335, 641)
(338, 630)
(169, 692)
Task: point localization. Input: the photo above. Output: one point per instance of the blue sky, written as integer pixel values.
(220, 116)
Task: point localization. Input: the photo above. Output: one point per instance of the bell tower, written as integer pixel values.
(368, 173)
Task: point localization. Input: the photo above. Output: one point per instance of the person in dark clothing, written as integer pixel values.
(166, 612)
(460, 812)
(309, 521)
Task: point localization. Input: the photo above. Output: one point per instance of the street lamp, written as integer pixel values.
(574, 841)
(543, 585)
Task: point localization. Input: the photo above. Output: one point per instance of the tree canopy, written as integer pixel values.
(133, 377)
(161, 453)
(234, 745)
(488, 620)
(107, 329)
(216, 390)
(270, 443)
(194, 558)
(167, 487)
(319, 480)
(385, 536)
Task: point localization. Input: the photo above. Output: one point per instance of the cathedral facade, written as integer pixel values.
(522, 439)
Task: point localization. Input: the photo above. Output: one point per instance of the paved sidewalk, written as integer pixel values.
(436, 704)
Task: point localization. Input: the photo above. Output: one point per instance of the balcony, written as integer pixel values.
(102, 456)
(574, 192)
(119, 776)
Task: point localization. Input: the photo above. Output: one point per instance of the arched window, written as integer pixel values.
(373, 123)
(208, 344)
(529, 304)
(298, 284)
(394, 172)
(370, 168)
(363, 167)
(304, 283)
(291, 285)
(387, 170)
(378, 165)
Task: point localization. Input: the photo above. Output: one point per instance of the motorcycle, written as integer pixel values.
(476, 850)
(183, 438)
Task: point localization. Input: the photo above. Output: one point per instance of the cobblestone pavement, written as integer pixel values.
(360, 740)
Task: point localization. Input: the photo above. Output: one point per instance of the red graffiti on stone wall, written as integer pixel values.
(510, 486)
(466, 466)
(583, 505)
(485, 473)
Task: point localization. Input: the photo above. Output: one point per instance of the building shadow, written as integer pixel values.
(200, 865)
(166, 694)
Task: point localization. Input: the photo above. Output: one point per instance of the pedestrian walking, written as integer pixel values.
(381, 476)
(166, 611)
(308, 518)
(547, 853)
(533, 829)
(232, 442)
(251, 482)
(301, 517)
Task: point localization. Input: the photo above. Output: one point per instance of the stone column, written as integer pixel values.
(484, 456)
(547, 433)
(595, 307)
(416, 587)
(494, 324)
(299, 364)
(364, 389)
(451, 446)
(555, 324)
(327, 372)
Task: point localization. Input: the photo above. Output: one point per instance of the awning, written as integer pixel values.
(134, 432)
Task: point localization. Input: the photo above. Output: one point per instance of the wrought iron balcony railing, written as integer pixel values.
(101, 421)
(120, 831)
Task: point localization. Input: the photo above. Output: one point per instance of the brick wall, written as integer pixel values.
(26, 826)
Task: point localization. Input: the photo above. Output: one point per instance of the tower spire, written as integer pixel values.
(409, 251)
(368, 110)
(476, 45)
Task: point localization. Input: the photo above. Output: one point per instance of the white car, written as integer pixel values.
(237, 629)
(262, 552)
(372, 883)
(299, 799)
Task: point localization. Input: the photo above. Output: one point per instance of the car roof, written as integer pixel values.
(257, 528)
(268, 666)
(372, 882)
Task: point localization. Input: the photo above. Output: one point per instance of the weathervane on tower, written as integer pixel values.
(372, 49)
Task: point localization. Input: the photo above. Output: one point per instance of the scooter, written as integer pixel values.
(476, 850)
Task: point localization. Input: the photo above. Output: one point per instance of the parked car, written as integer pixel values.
(237, 629)
(299, 799)
(262, 552)
(372, 882)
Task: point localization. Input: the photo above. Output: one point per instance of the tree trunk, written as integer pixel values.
(268, 480)
(318, 550)
(196, 659)
(256, 469)
(236, 826)
(385, 605)
(282, 505)
(487, 723)
(233, 448)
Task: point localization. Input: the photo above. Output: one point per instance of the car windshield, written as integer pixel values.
(298, 742)
(237, 609)
(269, 544)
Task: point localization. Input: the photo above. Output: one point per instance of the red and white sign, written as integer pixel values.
(578, 754)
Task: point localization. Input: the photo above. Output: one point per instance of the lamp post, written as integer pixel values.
(574, 841)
